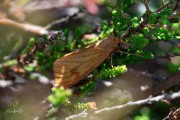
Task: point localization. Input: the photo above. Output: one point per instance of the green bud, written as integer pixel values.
(114, 12)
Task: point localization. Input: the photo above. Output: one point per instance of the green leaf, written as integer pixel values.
(152, 18)
(124, 5)
(109, 73)
(59, 96)
(135, 22)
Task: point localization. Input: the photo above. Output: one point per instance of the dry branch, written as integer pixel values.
(83, 114)
(164, 84)
(24, 26)
(129, 104)
(174, 114)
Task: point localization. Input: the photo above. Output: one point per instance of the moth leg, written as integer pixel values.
(112, 66)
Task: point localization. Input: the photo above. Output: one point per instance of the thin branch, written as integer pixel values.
(147, 7)
(83, 114)
(25, 26)
(40, 5)
(141, 102)
(131, 31)
(40, 30)
(164, 6)
(30, 55)
(174, 114)
(76, 16)
(45, 4)
(129, 104)
(57, 22)
(167, 56)
(165, 84)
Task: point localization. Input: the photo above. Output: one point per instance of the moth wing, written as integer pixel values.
(74, 66)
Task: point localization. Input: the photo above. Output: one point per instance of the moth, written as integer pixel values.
(74, 66)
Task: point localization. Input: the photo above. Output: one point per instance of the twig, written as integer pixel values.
(129, 104)
(174, 114)
(77, 15)
(83, 114)
(30, 55)
(147, 7)
(176, 7)
(45, 4)
(57, 22)
(166, 5)
(167, 56)
(40, 30)
(165, 84)
(141, 102)
(25, 26)
(40, 5)
(144, 22)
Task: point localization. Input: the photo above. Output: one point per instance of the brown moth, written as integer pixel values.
(74, 66)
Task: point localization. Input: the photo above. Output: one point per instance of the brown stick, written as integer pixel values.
(165, 84)
(24, 26)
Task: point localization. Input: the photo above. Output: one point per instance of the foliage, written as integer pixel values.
(62, 45)
(159, 25)
(59, 96)
(109, 73)
(138, 31)
(145, 114)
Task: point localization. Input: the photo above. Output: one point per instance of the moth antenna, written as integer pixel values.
(126, 32)
(129, 53)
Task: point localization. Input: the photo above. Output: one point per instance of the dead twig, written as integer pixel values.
(164, 84)
(164, 6)
(30, 55)
(174, 114)
(41, 5)
(78, 15)
(25, 26)
(83, 114)
(129, 104)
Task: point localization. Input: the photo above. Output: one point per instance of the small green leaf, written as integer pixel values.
(152, 18)
(114, 12)
(135, 22)
(59, 96)
(109, 73)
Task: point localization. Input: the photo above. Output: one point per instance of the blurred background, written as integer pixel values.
(22, 20)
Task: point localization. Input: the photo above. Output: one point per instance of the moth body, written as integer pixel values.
(74, 66)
